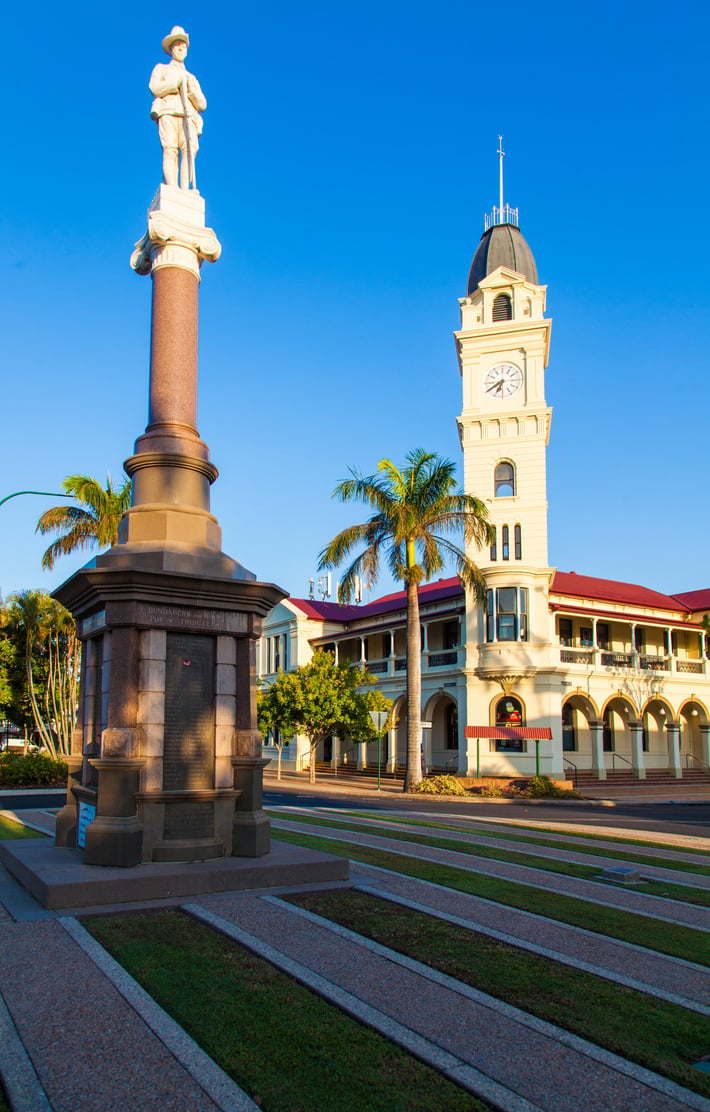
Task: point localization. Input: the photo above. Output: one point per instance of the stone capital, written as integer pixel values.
(172, 242)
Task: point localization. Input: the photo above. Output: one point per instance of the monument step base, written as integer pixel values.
(58, 878)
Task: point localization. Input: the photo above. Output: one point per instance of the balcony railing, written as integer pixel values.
(377, 667)
(655, 663)
(618, 660)
(648, 663)
(577, 656)
(442, 660)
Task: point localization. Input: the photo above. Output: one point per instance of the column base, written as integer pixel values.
(68, 817)
(114, 841)
(251, 828)
(193, 850)
(251, 834)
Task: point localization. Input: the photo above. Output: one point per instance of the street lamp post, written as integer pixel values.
(379, 718)
(46, 493)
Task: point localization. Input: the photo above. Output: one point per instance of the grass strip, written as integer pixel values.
(664, 888)
(10, 831)
(619, 855)
(661, 1036)
(665, 938)
(284, 1045)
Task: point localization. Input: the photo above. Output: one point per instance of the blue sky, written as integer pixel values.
(348, 157)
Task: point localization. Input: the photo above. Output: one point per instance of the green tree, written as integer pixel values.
(45, 635)
(93, 522)
(318, 700)
(417, 512)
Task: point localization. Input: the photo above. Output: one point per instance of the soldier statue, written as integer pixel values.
(177, 107)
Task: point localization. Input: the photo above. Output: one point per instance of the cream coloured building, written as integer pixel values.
(563, 673)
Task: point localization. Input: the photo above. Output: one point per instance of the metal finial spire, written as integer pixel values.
(501, 156)
(504, 214)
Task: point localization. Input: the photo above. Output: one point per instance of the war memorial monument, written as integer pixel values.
(165, 776)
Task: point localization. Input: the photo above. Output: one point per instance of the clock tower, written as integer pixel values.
(503, 349)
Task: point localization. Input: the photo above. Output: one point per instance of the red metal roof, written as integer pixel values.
(333, 611)
(695, 600)
(586, 586)
(565, 583)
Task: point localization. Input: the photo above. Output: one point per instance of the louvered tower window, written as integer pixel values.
(502, 307)
(504, 480)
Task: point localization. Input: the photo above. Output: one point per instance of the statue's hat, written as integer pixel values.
(178, 34)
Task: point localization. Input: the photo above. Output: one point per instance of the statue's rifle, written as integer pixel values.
(186, 129)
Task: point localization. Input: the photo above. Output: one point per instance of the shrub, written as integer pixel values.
(18, 771)
(542, 787)
(441, 785)
(491, 791)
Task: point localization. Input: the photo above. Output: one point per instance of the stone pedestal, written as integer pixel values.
(166, 754)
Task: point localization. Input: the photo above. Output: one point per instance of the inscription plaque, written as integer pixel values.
(184, 617)
(188, 748)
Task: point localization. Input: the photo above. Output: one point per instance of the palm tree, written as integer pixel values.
(417, 508)
(47, 634)
(94, 521)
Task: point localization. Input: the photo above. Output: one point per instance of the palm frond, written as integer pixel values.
(94, 521)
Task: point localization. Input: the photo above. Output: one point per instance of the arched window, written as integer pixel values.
(518, 543)
(494, 544)
(502, 307)
(504, 480)
(451, 721)
(509, 712)
(505, 537)
(509, 715)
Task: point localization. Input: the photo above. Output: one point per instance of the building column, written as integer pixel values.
(705, 743)
(595, 643)
(426, 748)
(335, 754)
(361, 756)
(391, 762)
(674, 766)
(596, 734)
(636, 731)
(425, 646)
(363, 655)
(392, 657)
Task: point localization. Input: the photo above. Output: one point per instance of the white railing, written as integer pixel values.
(505, 215)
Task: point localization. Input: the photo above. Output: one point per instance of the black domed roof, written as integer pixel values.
(502, 245)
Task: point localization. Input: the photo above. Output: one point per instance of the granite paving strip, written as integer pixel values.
(601, 839)
(680, 982)
(530, 1058)
(668, 838)
(448, 1064)
(215, 1082)
(483, 827)
(596, 860)
(19, 1078)
(90, 1048)
(42, 821)
(607, 895)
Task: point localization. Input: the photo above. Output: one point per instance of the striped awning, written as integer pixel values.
(512, 733)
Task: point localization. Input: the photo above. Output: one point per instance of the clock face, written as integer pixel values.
(503, 380)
